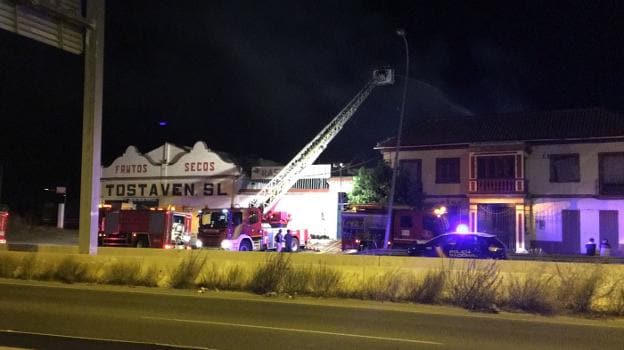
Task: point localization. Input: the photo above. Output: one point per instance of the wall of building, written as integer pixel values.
(428, 161)
(538, 167)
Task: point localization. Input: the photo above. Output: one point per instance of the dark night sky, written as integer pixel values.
(261, 78)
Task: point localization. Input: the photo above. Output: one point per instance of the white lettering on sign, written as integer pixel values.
(130, 168)
(199, 166)
(157, 190)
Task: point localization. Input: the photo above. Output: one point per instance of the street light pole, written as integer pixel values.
(395, 163)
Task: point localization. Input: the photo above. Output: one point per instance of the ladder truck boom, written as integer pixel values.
(288, 176)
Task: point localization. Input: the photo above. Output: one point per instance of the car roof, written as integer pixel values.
(479, 234)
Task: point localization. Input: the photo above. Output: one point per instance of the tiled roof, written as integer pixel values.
(526, 126)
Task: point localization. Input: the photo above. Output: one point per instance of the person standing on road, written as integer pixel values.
(590, 247)
(605, 248)
(288, 241)
(278, 241)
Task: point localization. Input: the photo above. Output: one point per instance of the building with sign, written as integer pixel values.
(191, 179)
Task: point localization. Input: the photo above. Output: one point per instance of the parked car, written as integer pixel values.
(471, 245)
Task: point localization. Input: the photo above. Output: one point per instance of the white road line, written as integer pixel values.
(228, 324)
(12, 331)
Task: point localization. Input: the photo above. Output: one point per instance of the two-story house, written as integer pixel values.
(548, 180)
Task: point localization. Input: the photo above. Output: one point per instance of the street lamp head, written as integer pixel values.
(400, 32)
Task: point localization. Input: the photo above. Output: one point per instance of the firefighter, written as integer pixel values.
(288, 241)
(605, 248)
(590, 247)
(278, 241)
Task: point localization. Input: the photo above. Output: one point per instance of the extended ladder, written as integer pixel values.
(288, 176)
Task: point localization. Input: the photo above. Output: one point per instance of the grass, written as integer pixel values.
(471, 284)
(475, 286)
(533, 293)
(429, 289)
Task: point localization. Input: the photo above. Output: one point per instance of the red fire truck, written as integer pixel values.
(253, 228)
(4, 221)
(144, 228)
(256, 229)
(364, 226)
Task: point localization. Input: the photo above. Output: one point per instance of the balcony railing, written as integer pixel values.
(498, 186)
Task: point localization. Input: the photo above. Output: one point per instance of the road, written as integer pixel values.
(51, 315)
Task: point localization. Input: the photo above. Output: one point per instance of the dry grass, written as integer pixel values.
(532, 293)
(475, 286)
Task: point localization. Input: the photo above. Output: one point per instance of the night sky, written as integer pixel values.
(261, 78)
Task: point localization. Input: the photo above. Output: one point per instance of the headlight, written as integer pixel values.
(198, 243)
(493, 248)
(226, 244)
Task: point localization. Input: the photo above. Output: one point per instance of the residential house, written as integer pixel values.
(548, 180)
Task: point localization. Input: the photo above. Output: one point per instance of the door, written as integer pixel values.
(499, 220)
(571, 231)
(609, 228)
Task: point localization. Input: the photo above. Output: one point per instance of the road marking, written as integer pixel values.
(12, 331)
(228, 324)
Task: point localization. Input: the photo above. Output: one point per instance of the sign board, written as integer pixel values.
(316, 171)
(54, 22)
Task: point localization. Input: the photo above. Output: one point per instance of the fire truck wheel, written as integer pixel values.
(294, 246)
(244, 246)
(141, 243)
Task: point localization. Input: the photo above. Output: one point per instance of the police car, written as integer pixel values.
(461, 244)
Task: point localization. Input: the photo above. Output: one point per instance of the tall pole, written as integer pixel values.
(395, 163)
(91, 129)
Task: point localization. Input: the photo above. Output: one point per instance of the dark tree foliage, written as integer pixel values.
(372, 186)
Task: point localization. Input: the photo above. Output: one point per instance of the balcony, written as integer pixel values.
(497, 186)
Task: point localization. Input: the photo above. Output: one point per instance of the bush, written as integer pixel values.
(26, 269)
(71, 270)
(127, 273)
(268, 277)
(579, 287)
(226, 277)
(428, 290)
(8, 264)
(325, 281)
(475, 287)
(531, 293)
(185, 274)
(387, 286)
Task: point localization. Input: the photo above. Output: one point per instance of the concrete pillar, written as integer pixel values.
(472, 217)
(520, 229)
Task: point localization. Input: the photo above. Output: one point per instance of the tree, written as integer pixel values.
(372, 186)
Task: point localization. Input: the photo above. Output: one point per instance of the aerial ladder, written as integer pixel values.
(254, 228)
(288, 176)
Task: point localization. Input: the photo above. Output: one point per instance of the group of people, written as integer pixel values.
(605, 247)
(284, 241)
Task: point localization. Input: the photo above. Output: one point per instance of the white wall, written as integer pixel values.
(538, 167)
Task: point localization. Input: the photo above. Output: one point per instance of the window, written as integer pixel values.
(447, 170)
(496, 167)
(412, 167)
(564, 168)
(611, 173)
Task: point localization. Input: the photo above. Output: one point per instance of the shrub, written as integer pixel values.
(324, 280)
(71, 270)
(475, 286)
(223, 277)
(532, 293)
(122, 273)
(26, 268)
(428, 290)
(8, 264)
(268, 277)
(387, 286)
(579, 287)
(298, 280)
(185, 274)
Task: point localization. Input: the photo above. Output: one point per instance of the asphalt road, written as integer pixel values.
(56, 316)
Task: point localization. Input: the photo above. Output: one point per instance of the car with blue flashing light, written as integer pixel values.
(461, 244)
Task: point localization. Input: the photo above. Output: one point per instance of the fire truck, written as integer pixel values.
(4, 222)
(364, 226)
(253, 228)
(143, 228)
